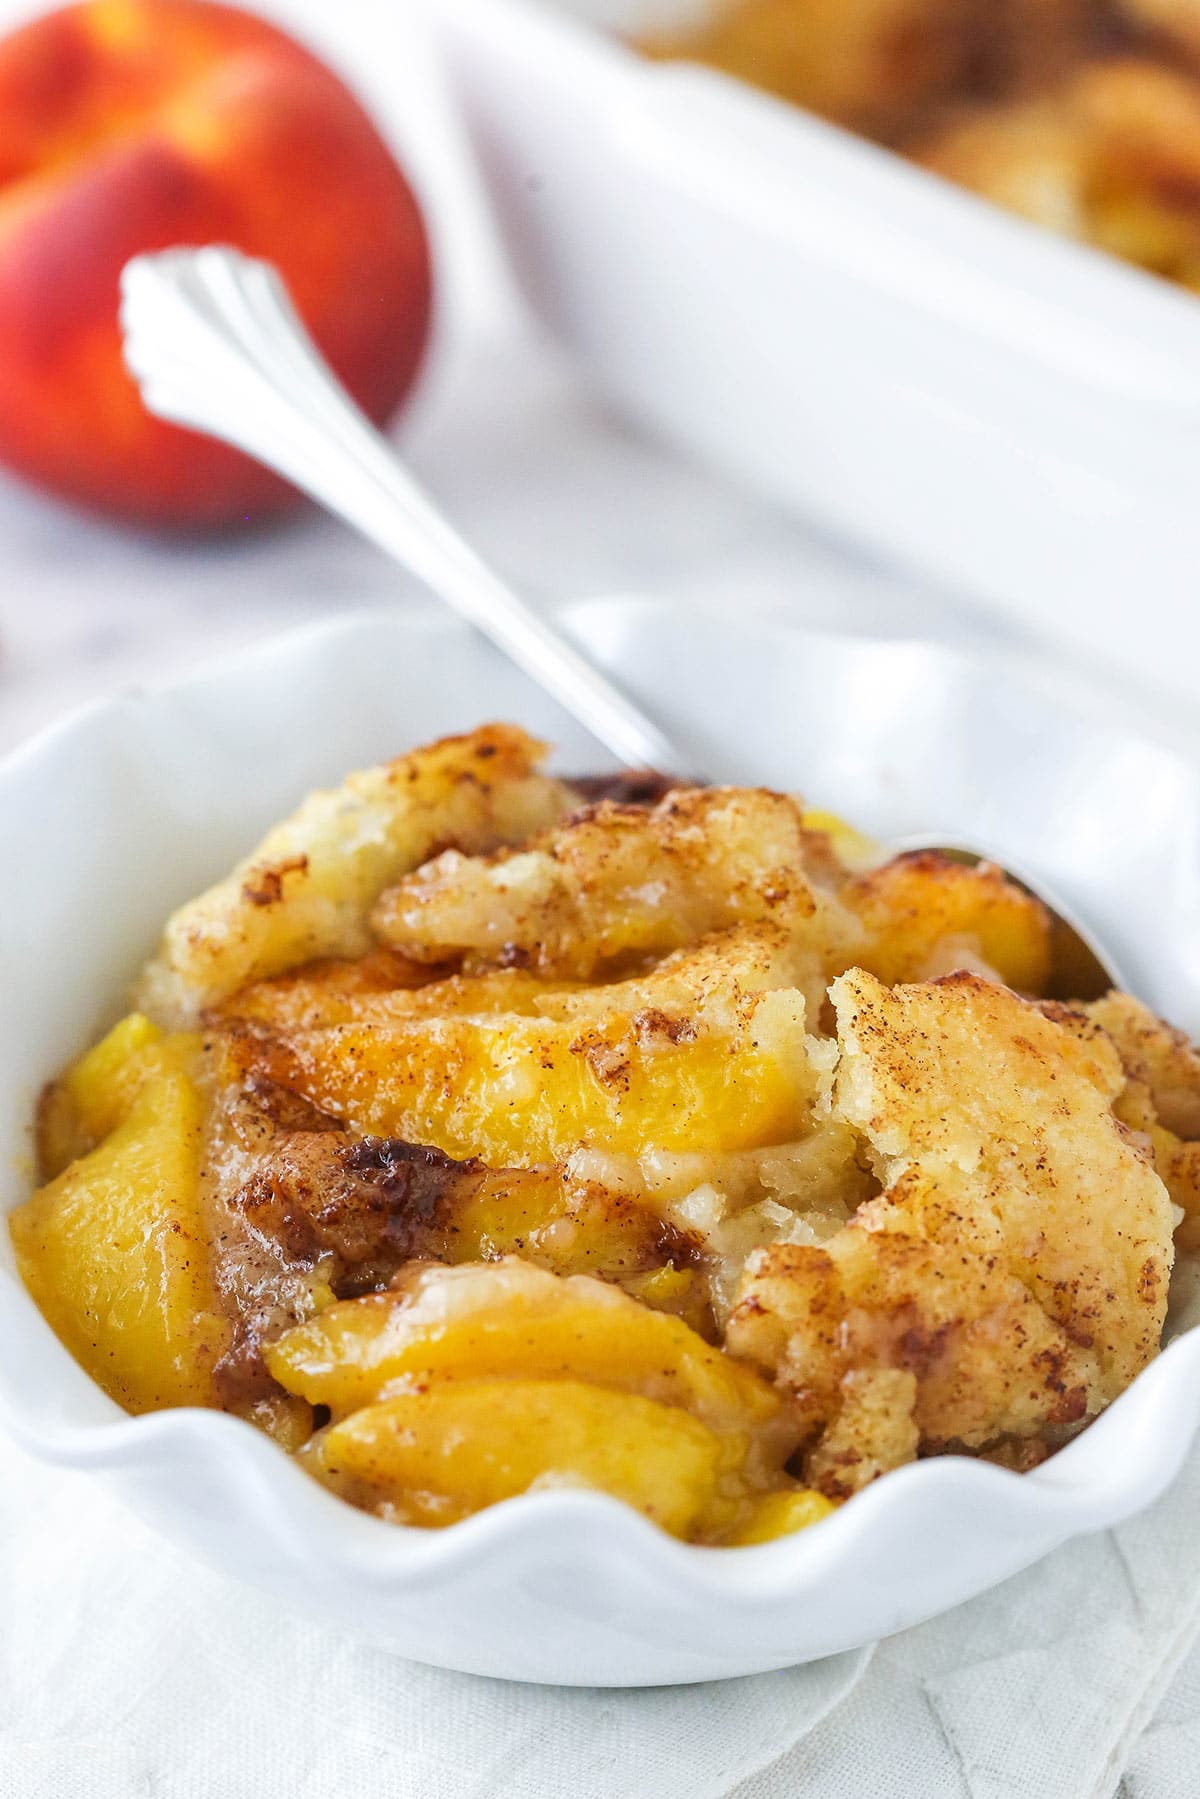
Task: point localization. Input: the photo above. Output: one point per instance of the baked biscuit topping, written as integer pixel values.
(479, 1136)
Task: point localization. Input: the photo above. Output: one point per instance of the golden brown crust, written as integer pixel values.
(1016, 1263)
(868, 64)
(1111, 157)
(1160, 1101)
(614, 885)
(927, 913)
(1156, 1054)
(307, 889)
(1080, 116)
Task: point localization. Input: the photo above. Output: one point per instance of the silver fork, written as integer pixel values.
(214, 342)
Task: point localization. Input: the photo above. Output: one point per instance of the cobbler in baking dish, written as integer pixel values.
(486, 1132)
(1081, 115)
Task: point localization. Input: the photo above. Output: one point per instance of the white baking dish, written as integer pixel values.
(1014, 414)
(119, 814)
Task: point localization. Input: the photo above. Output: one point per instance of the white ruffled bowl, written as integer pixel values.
(117, 815)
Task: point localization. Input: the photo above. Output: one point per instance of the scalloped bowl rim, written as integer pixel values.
(1052, 1494)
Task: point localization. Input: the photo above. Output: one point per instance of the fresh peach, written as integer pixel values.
(130, 125)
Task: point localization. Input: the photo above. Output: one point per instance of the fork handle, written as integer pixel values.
(214, 342)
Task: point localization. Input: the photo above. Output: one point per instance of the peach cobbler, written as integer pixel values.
(487, 1132)
(1081, 115)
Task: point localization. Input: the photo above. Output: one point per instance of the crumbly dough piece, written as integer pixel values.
(863, 63)
(926, 914)
(1015, 1264)
(1158, 1055)
(1161, 1099)
(887, 67)
(1111, 157)
(614, 883)
(307, 889)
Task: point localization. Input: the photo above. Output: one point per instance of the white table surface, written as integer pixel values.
(562, 498)
(568, 503)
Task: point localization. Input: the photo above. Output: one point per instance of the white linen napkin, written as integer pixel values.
(1164, 1761)
(1041, 1689)
(128, 1671)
